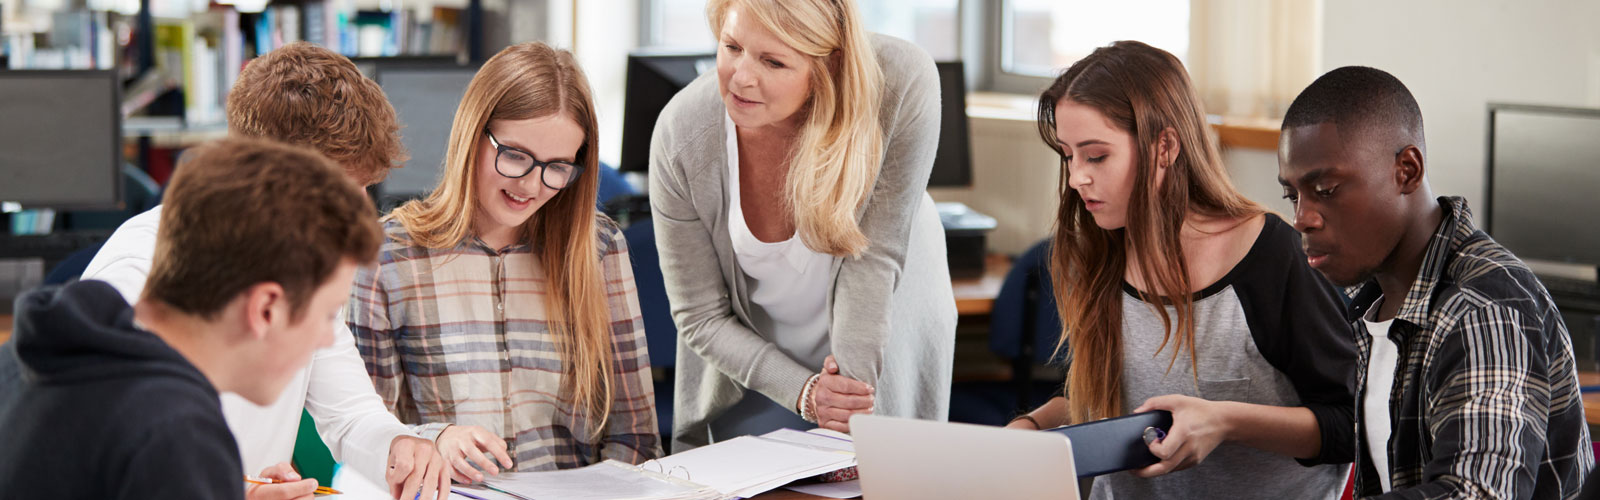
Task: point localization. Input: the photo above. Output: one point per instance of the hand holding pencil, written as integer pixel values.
(281, 482)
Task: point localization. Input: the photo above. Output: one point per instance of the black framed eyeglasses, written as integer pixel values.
(516, 163)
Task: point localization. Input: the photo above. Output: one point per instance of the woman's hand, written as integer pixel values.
(1198, 426)
(464, 445)
(837, 397)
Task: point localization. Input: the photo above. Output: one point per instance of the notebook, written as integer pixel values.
(742, 467)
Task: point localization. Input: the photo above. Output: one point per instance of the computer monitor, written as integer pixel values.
(952, 163)
(425, 96)
(653, 78)
(61, 139)
(1544, 182)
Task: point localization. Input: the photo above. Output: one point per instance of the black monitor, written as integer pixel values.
(653, 78)
(1544, 182)
(61, 139)
(952, 163)
(425, 96)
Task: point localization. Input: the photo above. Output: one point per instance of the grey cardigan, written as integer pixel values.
(893, 313)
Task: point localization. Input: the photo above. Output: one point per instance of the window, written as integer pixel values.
(676, 24)
(1042, 37)
(932, 24)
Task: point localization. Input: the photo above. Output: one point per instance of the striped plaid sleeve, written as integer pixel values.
(368, 317)
(1489, 405)
(631, 431)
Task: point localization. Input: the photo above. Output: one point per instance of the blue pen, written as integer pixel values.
(465, 494)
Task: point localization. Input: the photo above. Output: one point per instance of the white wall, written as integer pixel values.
(1255, 174)
(1457, 56)
(1014, 179)
(606, 31)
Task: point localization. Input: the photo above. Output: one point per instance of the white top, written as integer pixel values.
(788, 281)
(1381, 366)
(335, 387)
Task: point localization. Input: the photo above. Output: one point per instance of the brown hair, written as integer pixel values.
(243, 211)
(526, 81)
(306, 95)
(1144, 91)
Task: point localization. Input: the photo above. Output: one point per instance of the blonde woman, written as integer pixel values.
(803, 259)
(503, 300)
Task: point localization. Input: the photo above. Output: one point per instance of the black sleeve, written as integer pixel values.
(1296, 317)
(190, 456)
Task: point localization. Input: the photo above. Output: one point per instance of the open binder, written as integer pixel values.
(742, 467)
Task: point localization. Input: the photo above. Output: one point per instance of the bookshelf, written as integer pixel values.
(180, 57)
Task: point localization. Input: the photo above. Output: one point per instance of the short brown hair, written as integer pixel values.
(243, 211)
(310, 96)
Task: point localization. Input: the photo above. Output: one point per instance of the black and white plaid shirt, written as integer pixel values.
(1485, 402)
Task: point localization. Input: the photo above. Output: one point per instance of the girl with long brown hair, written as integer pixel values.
(504, 301)
(1176, 293)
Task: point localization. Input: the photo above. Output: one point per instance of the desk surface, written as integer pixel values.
(976, 295)
(5, 328)
(1591, 401)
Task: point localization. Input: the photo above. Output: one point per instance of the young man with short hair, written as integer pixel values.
(1467, 386)
(309, 96)
(253, 261)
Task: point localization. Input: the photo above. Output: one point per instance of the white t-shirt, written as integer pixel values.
(334, 387)
(788, 281)
(1381, 366)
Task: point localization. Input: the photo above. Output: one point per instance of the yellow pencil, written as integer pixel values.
(321, 490)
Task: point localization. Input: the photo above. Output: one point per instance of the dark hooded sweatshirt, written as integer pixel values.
(93, 407)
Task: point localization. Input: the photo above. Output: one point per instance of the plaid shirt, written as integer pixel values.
(458, 336)
(1485, 402)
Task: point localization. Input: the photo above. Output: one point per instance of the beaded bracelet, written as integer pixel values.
(808, 408)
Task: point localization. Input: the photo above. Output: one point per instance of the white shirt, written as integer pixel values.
(788, 281)
(1381, 366)
(334, 387)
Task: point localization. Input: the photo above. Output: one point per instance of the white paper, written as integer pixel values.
(843, 489)
(354, 486)
(743, 465)
(813, 439)
(607, 480)
(479, 492)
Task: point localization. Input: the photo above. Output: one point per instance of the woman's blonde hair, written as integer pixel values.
(836, 158)
(526, 81)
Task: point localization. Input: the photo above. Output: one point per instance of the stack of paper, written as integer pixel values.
(750, 465)
(606, 480)
(738, 468)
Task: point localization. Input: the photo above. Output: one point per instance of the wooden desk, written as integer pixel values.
(1591, 401)
(5, 328)
(975, 296)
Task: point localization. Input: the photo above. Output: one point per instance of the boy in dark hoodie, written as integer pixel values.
(254, 259)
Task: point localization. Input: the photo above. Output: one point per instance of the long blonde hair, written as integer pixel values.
(835, 159)
(1144, 91)
(525, 81)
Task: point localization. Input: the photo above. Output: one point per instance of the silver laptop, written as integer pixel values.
(918, 459)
